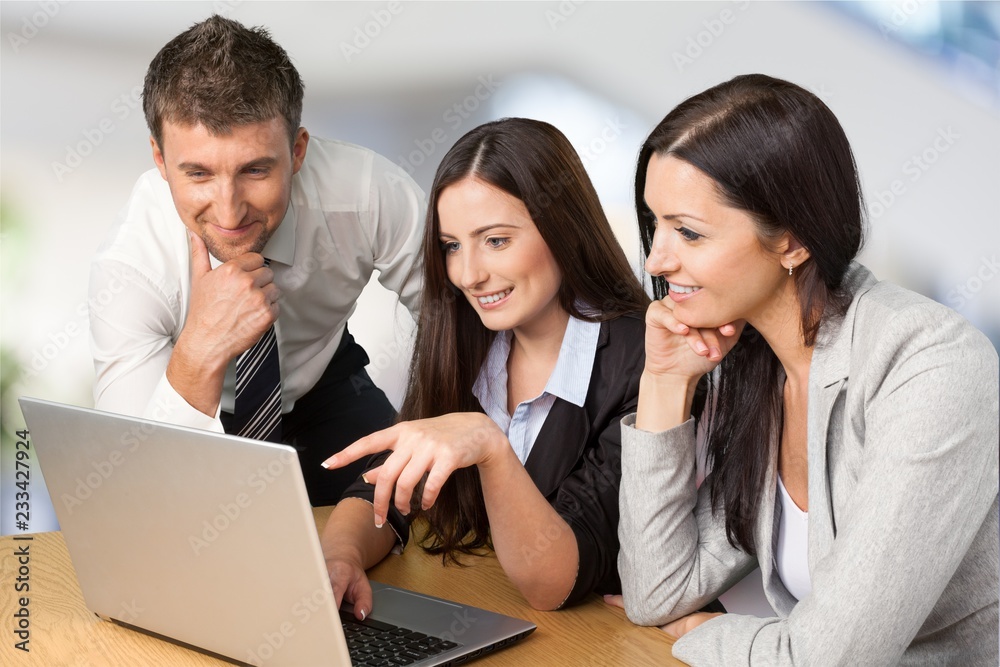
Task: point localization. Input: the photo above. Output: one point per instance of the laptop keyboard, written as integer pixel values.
(373, 643)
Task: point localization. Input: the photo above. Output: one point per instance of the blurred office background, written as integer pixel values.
(915, 83)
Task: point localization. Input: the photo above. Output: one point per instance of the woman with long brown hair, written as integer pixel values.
(528, 353)
(851, 434)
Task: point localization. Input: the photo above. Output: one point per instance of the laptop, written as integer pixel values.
(209, 540)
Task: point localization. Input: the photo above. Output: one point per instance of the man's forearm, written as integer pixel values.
(196, 378)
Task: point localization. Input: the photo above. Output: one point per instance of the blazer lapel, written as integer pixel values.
(565, 434)
(822, 523)
(767, 539)
(828, 374)
(559, 446)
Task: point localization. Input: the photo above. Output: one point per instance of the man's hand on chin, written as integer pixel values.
(230, 308)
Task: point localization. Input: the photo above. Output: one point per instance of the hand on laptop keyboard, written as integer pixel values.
(372, 642)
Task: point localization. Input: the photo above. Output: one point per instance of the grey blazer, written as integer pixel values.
(903, 542)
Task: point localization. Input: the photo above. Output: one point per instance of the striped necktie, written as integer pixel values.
(257, 413)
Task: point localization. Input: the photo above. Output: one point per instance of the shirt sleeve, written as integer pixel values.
(397, 207)
(588, 502)
(925, 489)
(131, 335)
(361, 489)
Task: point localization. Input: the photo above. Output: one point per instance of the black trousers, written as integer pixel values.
(343, 406)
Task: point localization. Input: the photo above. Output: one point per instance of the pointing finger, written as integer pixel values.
(366, 446)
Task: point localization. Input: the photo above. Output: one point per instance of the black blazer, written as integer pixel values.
(576, 459)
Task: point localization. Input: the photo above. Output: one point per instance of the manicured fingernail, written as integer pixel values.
(364, 478)
(701, 347)
(325, 464)
(714, 352)
(363, 614)
(379, 522)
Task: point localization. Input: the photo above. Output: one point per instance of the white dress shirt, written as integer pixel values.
(351, 212)
(569, 381)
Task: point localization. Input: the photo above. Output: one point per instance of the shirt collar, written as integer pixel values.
(570, 379)
(491, 383)
(281, 246)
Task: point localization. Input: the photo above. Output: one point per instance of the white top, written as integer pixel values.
(351, 212)
(569, 381)
(791, 558)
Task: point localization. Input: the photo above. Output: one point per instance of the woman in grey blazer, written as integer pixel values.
(851, 429)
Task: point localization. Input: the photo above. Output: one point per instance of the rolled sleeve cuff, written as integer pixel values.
(729, 640)
(364, 491)
(166, 405)
(644, 450)
(586, 571)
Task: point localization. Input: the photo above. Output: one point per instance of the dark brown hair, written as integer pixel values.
(220, 74)
(777, 152)
(535, 163)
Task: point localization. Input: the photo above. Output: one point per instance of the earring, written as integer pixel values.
(790, 267)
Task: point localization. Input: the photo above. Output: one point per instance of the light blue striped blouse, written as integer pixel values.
(569, 381)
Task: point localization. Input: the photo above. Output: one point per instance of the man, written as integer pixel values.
(238, 260)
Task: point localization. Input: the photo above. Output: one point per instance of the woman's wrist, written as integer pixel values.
(487, 438)
(350, 537)
(343, 551)
(500, 451)
(664, 401)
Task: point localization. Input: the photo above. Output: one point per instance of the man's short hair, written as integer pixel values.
(221, 74)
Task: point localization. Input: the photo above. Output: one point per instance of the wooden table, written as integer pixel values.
(65, 633)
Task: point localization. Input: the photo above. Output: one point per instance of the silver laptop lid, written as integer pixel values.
(204, 538)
